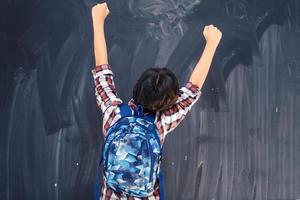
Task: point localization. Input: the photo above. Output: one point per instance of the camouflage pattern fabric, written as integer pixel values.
(131, 156)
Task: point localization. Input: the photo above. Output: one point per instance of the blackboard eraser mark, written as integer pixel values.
(205, 139)
(275, 14)
(198, 180)
(236, 9)
(256, 61)
(254, 192)
(26, 59)
(115, 7)
(293, 68)
(251, 132)
(53, 126)
(218, 190)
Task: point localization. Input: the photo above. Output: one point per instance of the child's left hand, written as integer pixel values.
(100, 12)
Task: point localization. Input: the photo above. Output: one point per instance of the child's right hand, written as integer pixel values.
(212, 35)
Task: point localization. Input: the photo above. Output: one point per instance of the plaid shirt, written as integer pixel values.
(167, 120)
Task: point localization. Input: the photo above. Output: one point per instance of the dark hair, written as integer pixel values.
(156, 89)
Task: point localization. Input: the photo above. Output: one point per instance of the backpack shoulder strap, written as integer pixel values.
(125, 110)
(149, 117)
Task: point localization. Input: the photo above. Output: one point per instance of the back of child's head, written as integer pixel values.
(157, 89)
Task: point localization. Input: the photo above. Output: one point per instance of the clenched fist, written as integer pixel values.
(100, 12)
(212, 35)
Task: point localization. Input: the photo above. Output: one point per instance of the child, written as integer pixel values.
(157, 90)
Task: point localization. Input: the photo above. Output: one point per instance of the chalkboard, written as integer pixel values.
(241, 139)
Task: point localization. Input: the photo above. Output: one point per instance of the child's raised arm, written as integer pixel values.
(99, 14)
(212, 36)
(105, 90)
(170, 118)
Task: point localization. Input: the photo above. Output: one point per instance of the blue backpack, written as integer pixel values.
(131, 154)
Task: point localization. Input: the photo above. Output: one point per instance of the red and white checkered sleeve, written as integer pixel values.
(105, 90)
(170, 118)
